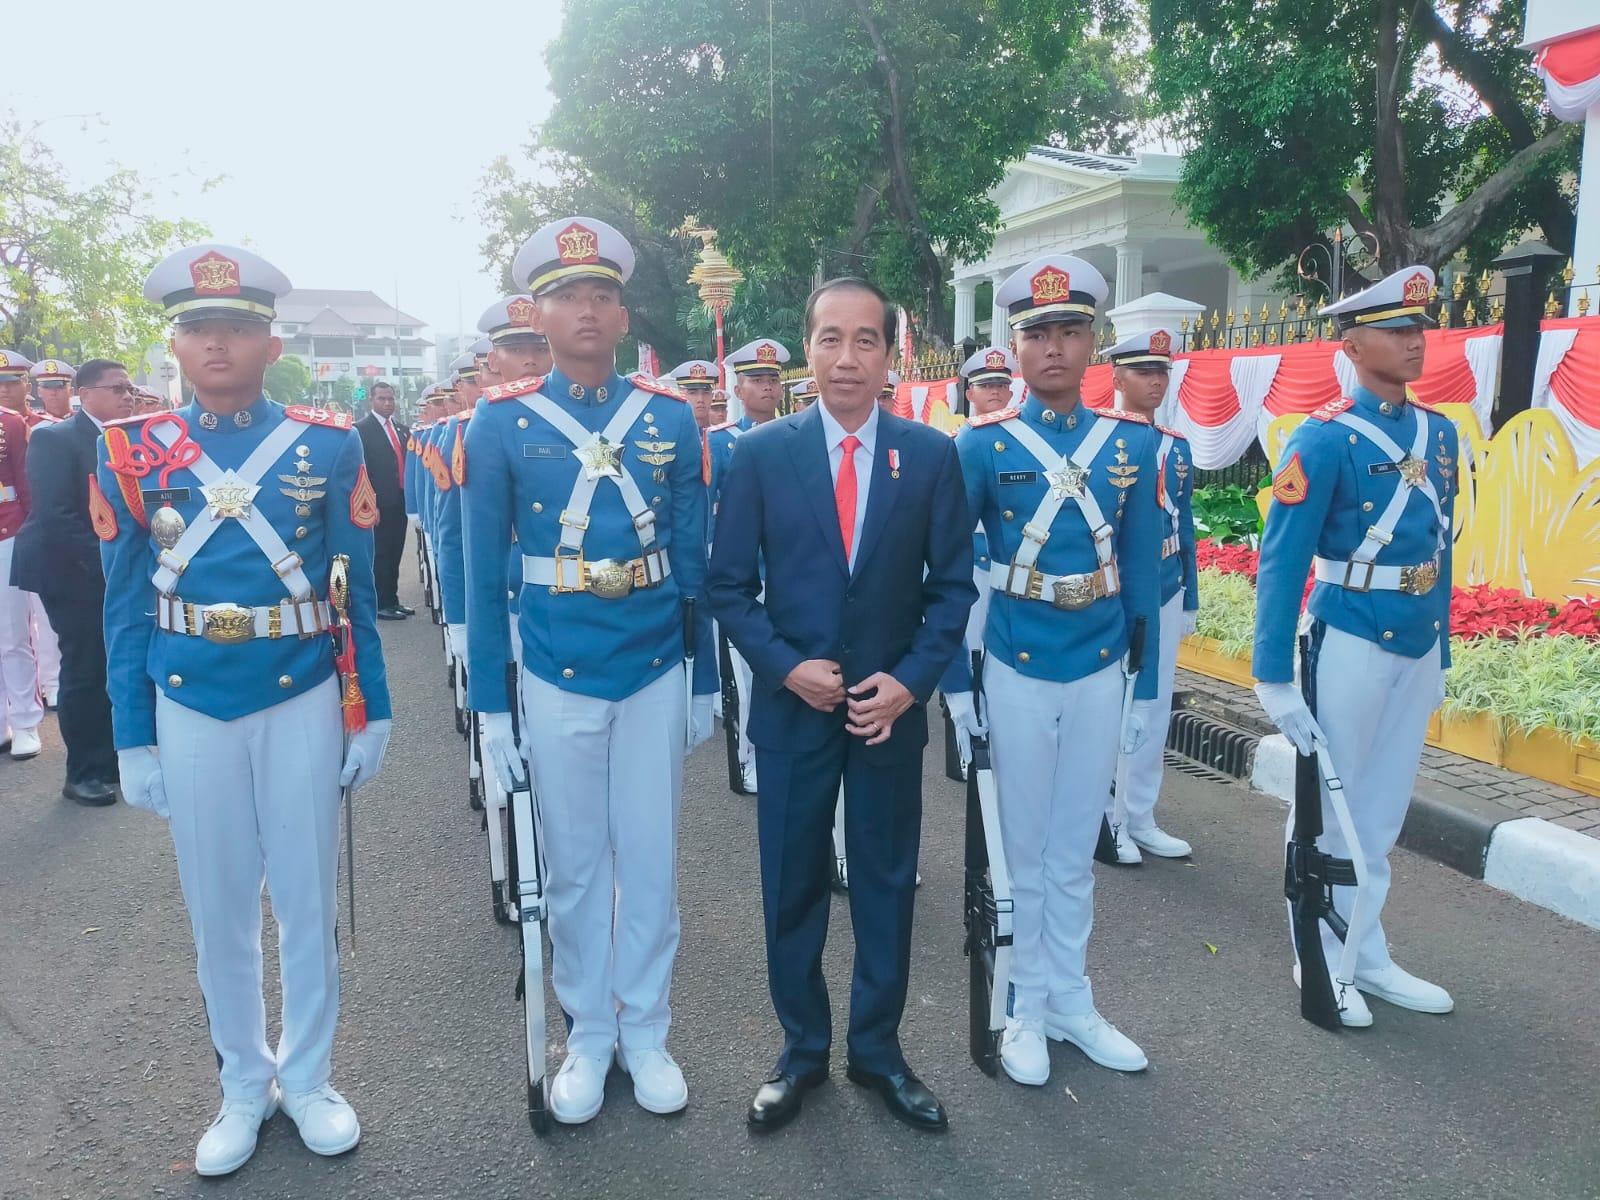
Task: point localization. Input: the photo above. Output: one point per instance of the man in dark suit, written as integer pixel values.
(57, 556)
(860, 521)
(383, 440)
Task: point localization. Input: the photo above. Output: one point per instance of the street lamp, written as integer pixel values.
(716, 279)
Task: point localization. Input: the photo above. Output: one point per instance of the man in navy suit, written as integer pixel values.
(860, 519)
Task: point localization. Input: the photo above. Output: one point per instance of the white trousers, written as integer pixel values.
(19, 666)
(1145, 766)
(608, 775)
(45, 647)
(978, 614)
(1374, 705)
(251, 799)
(744, 680)
(1055, 749)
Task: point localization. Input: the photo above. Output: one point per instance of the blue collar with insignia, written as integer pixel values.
(561, 387)
(1374, 405)
(245, 418)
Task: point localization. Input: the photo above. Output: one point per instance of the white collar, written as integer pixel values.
(833, 433)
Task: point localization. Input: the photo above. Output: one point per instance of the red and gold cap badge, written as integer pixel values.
(1051, 286)
(215, 274)
(577, 244)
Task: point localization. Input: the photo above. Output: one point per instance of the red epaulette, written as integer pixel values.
(1332, 409)
(510, 391)
(724, 425)
(1005, 414)
(1418, 401)
(307, 415)
(645, 383)
(1122, 414)
(1182, 437)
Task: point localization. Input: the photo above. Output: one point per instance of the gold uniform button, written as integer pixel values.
(302, 451)
(285, 681)
(1436, 625)
(1366, 506)
(648, 417)
(1388, 635)
(567, 674)
(655, 501)
(302, 510)
(983, 558)
(1023, 657)
(655, 662)
(537, 507)
(1009, 515)
(999, 447)
(522, 422)
(1049, 416)
(301, 531)
(553, 590)
(175, 681)
(1352, 439)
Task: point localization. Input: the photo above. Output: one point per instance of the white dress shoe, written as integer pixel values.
(748, 773)
(1023, 1052)
(579, 1089)
(231, 1140)
(1405, 990)
(24, 743)
(1098, 1038)
(1159, 842)
(327, 1123)
(1353, 1010)
(658, 1083)
(1127, 853)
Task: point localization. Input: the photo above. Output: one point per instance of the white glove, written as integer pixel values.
(413, 520)
(964, 716)
(499, 746)
(364, 755)
(1191, 621)
(1141, 720)
(699, 720)
(1286, 708)
(457, 635)
(142, 786)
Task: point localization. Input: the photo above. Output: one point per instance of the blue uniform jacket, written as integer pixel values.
(519, 472)
(1332, 484)
(901, 610)
(447, 540)
(720, 440)
(231, 681)
(1178, 570)
(1005, 485)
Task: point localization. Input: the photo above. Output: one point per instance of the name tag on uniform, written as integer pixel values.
(164, 495)
(1019, 477)
(531, 451)
(1382, 468)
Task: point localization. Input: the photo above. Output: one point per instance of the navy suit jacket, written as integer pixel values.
(903, 609)
(57, 551)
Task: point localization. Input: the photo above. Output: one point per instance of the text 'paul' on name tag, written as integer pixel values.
(537, 451)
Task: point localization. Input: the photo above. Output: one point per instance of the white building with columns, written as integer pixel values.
(1116, 211)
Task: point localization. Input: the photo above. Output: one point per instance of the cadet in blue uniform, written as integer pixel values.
(758, 386)
(1141, 367)
(1067, 497)
(516, 350)
(804, 393)
(221, 525)
(452, 564)
(1364, 497)
(600, 481)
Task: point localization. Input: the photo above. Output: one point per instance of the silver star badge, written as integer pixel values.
(600, 458)
(1067, 482)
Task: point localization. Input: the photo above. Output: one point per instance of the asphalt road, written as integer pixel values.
(107, 1076)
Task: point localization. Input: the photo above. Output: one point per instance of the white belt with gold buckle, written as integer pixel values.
(1169, 546)
(1069, 592)
(1417, 580)
(230, 624)
(608, 578)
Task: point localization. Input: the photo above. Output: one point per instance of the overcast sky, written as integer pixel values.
(350, 135)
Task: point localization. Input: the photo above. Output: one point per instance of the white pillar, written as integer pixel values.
(999, 326)
(1586, 237)
(966, 324)
(1130, 272)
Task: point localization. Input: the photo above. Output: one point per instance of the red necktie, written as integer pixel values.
(844, 492)
(399, 454)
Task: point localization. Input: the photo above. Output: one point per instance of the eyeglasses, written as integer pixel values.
(121, 389)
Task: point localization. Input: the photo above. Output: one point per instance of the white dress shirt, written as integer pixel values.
(833, 435)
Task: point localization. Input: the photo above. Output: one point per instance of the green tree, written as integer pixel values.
(289, 380)
(861, 134)
(1414, 121)
(344, 393)
(73, 260)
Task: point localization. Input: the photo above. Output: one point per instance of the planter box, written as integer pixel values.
(1542, 754)
(1204, 656)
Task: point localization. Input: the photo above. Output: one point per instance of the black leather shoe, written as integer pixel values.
(407, 609)
(779, 1098)
(906, 1096)
(391, 614)
(94, 792)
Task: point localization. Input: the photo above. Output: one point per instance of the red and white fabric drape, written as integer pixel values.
(1571, 71)
(1566, 380)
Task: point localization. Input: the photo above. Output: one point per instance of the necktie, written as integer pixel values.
(844, 492)
(399, 454)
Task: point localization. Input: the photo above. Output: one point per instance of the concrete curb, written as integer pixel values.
(1531, 858)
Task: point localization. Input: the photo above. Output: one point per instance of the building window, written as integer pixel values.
(408, 331)
(335, 347)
